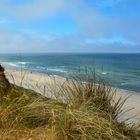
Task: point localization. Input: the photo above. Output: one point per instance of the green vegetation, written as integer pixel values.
(78, 111)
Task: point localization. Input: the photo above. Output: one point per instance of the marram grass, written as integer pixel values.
(77, 111)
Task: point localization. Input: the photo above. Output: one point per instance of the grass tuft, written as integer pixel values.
(78, 110)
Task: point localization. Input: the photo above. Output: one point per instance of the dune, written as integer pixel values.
(38, 82)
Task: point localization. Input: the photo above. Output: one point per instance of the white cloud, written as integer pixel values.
(31, 10)
(27, 41)
(92, 23)
(23, 41)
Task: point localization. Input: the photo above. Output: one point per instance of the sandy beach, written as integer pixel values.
(38, 82)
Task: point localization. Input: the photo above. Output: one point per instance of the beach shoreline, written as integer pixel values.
(37, 81)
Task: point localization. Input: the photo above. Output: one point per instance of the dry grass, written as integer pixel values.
(78, 111)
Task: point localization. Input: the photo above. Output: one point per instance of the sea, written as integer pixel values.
(122, 70)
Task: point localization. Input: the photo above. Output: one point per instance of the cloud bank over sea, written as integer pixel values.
(69, 26)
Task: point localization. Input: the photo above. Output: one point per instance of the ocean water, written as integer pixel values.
(123, 70)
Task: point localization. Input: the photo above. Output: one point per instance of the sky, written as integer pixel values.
(81, 26)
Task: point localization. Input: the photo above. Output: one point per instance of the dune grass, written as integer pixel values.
(78, 111)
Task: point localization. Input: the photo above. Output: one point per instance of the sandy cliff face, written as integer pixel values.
(4, 83)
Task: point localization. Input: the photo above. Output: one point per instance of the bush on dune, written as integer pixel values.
(78, 111)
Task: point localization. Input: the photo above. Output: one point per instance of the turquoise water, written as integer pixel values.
(123, 70)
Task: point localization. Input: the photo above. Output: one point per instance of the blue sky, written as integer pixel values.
(33, 26)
